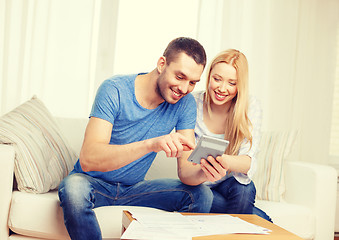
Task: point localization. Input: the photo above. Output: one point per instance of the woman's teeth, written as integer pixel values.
(220, 96)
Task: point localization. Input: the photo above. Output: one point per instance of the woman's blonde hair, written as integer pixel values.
(237, 124)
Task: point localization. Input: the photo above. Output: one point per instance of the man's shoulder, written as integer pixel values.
(188, 100)
(118, 83)
(120, 79)
(187, 105)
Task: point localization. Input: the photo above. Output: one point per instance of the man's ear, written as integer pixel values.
(161, 64)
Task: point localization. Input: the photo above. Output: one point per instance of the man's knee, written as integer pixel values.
(202, 190)
(74, 189)
(203, 198)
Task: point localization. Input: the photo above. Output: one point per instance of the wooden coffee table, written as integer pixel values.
(277, 233)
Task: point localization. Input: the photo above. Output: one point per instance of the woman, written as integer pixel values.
(226, 111)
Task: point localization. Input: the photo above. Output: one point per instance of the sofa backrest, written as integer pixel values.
(269, 178)
(162, 167)
(74, 130)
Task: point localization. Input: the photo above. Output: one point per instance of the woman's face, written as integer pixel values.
(222, 85)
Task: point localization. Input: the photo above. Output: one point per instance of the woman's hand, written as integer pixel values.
(214, 168)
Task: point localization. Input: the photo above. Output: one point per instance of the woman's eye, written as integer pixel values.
(233, 83)
(217, 79)
(179, 77)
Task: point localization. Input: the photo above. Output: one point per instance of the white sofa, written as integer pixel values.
(308, 207)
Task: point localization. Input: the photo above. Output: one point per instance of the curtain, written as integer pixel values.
(291, 49)
(62, 50)
(56, 50)
(334, 140)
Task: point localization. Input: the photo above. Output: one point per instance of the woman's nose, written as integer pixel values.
(223, 87)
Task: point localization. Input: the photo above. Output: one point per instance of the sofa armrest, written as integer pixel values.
(6, 178)
(314, 186)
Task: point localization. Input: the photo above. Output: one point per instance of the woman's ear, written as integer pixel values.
(161, 64)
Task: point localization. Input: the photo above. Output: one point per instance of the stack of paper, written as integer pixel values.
(168, 226)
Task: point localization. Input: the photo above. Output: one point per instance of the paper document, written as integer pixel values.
(138, 231)
(168, 226)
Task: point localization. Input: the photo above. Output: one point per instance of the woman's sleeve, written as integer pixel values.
(255, 116)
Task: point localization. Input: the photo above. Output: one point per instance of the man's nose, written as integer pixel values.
(183, 87)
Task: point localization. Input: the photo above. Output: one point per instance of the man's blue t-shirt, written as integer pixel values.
(116, 103)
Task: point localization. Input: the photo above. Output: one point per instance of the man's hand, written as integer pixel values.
(214, 168)
(172, 144)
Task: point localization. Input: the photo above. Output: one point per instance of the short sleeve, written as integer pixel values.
(106, 103)
(188, 113)
(255, 116)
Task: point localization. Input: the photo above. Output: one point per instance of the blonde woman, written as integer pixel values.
(226, 111)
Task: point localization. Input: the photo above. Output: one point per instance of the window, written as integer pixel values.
(142, 36)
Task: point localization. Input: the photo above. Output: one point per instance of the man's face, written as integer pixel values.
(178, 78)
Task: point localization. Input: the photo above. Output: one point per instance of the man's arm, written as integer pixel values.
(98, 155)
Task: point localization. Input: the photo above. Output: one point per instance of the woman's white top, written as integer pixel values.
(255, 116)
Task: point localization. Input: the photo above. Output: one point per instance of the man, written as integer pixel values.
(131, 120)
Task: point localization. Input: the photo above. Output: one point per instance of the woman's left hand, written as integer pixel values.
(214, 168)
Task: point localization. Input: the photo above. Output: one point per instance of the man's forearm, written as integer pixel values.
(106, 157)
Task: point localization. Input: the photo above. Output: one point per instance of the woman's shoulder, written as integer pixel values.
(254, 107)
(198, 95)
(254, 102)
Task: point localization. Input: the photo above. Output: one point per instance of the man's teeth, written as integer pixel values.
(176, 94)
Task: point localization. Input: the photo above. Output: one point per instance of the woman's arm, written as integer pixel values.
(211, 169)
(217, 168)
(189, 173)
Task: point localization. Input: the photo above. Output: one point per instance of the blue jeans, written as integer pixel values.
(80, 193)
(230, 196)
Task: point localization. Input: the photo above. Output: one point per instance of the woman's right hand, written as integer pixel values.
(214, 168)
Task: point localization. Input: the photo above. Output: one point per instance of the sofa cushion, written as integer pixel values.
(297, 219)
(37, 215)
(40, 216)
(274, 148)
(42, 155)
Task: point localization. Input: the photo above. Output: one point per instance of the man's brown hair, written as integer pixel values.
(187, 45)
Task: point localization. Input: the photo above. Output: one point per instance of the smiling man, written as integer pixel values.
(131, 120)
